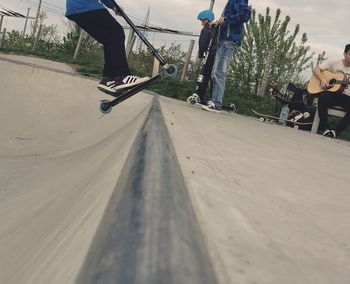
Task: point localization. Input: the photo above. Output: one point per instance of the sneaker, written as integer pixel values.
(306, 115)
(210, 107)
(120, 83)
(297, 117)
(329, 133)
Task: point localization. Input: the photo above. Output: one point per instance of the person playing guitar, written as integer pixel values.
(328, 98)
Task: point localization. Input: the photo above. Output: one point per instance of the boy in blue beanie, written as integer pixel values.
(93, 17)
(206, 36)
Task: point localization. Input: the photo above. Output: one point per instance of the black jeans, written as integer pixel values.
(106, 30)
(206, 72)
(328, 99)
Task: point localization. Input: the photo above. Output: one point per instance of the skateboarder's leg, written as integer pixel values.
(106, 30)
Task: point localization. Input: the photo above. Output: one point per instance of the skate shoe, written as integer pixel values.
(120, 83)
(297, 117)
(329, 133)
(306, 115)
(210, 107)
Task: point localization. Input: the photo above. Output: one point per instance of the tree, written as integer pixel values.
(268, 38)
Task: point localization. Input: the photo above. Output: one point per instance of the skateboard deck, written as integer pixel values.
(192, 101)
(276, 120)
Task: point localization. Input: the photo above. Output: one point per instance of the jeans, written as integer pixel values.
(224, 54)
(106, 30)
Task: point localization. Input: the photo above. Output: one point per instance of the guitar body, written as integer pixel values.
(335, 80)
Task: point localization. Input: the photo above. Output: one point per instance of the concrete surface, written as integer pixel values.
(272, 203)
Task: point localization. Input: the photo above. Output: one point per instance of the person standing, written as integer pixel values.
(205, 38)
(235, 14)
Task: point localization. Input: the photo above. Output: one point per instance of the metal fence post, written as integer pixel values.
(1, 21)
(156, 65)
(2, 39)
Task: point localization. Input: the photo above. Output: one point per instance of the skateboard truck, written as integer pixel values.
(168, 70)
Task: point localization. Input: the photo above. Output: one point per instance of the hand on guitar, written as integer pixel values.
(324, 84)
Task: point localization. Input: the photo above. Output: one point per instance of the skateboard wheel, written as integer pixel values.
(296, 127)
(232, 107)
(105, 107)
(262, 119)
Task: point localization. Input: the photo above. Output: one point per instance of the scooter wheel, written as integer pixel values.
(105, 107)
(192, 100)
(170, 70)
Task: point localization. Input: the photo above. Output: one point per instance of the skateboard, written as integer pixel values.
(167, 69)
(194, 101)
(277, 120)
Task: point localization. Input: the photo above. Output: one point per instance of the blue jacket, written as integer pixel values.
(80, 6)
(236, 13)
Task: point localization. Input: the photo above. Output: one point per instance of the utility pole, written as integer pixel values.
(211, 5)
(37, 17)
(145, 23)
(25, 24)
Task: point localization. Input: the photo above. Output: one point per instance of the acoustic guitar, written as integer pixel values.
(337, 82)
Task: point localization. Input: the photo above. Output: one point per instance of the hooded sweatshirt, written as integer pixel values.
(236, 13)
(81, 6)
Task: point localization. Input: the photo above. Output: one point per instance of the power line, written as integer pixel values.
(46, 7)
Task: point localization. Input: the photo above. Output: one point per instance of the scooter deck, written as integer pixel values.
(106, 105)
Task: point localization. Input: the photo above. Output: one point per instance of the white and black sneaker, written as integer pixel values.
(120, 83)
(210, 107)
(329, 133)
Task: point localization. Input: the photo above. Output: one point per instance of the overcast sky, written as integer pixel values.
(325, 22)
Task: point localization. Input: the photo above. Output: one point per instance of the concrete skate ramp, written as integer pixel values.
(91, 199)
(86, 198)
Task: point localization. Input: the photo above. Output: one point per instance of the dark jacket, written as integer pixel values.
(207, 34)
(236, 13)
